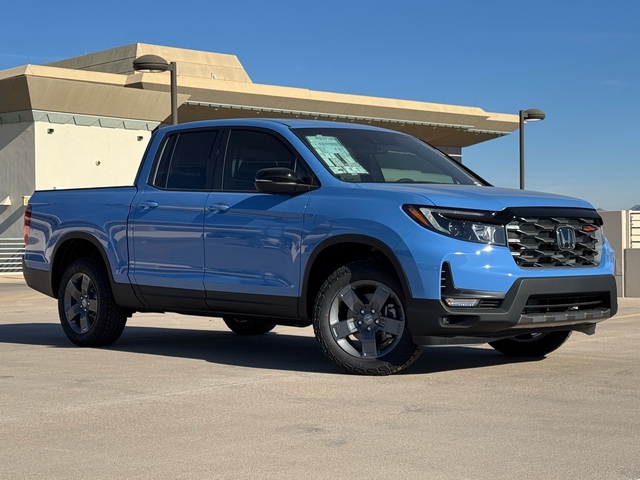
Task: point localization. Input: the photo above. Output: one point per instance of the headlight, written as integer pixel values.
(468, 225)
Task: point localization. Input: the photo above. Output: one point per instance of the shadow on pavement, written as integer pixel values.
(270, 351)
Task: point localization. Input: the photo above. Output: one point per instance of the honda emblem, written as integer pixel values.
(566, 237)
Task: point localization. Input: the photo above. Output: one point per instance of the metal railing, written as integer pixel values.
(11, 253)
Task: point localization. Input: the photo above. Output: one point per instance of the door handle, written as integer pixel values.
(149, 204)
(219, 207)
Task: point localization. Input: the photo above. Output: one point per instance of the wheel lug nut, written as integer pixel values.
(373, 310)
(369, 328)
(362, 312)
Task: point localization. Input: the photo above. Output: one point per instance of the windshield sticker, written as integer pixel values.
(335, 155)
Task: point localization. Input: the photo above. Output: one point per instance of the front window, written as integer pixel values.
(373, 156)
(249, 151)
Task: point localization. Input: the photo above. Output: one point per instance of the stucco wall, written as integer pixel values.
(632, 272)
(74, 156)
(16, 174)
(615, 229)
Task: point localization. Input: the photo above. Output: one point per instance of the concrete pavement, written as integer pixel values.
(182, 397)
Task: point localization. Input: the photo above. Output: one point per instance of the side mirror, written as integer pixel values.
(280, 180)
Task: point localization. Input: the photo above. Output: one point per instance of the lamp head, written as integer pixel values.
(533, 115)
(151, 63)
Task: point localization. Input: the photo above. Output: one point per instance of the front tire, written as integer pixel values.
(531, 344)
(359, 321)
(88, 312)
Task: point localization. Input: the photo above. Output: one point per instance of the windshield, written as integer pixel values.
(370, 156)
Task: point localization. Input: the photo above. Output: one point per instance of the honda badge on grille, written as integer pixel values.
(566, 237)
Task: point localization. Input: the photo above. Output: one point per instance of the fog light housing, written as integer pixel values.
(462, 302)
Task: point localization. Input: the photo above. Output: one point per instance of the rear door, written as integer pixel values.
(167, 252)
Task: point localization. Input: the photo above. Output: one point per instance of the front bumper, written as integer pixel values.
(530, 305)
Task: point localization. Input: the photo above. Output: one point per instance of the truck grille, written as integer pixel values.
(554, 242)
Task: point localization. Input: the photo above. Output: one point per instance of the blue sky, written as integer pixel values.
(578, 60)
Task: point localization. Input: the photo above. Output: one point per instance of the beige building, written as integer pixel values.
(86, 121)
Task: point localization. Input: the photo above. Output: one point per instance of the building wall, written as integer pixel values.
(43, 155)
(615, 229)
(17, 173)
(618, 228)
(632, 272)
(74, 156)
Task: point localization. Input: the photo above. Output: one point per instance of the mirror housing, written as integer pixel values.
(280, 180)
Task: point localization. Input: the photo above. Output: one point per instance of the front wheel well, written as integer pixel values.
(336, 256)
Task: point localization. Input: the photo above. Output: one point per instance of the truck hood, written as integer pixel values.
(479, 198)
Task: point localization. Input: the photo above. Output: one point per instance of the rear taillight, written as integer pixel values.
(27, 224)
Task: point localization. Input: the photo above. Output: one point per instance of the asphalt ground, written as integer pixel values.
(181, 397)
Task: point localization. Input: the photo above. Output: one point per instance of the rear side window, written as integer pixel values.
(187, 161)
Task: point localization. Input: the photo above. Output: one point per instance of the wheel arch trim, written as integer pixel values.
(123, 292)
(337, 240)
(58, 254)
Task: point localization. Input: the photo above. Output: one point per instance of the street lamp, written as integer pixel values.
(531, 115)
(156, 64)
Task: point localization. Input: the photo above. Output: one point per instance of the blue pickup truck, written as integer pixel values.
(381, 242)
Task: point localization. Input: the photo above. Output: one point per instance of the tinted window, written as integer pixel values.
(249, 151)
(187, 161)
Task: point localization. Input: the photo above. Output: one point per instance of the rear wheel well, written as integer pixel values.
(336, 256)
(69, 251)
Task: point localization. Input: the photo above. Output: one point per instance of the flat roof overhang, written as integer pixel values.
(73, 92)
(444, 125)
(145, 97)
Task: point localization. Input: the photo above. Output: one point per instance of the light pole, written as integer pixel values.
(156, 64)
(531, 115)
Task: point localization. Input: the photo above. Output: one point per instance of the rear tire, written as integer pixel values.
(531, 344)
(243, 326)
(88, 312)
(359, 321)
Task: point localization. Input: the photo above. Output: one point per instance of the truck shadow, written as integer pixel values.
(274, 350)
